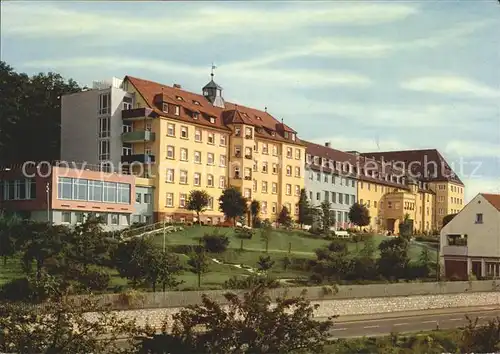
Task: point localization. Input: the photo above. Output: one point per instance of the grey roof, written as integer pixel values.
(212, 84)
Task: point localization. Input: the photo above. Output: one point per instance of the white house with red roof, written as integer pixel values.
(470, 242)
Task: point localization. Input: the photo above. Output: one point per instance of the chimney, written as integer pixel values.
(177, 86)
(328, 144)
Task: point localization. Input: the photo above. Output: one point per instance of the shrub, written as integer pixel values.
(185, 249)
(215, 243)
(95, 279)
(244, 233)
(301, 264)
(17, 290)
(250, 282)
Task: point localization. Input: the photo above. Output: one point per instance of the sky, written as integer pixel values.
(365, 76)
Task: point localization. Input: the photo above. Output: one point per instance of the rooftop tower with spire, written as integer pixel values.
(213, 92)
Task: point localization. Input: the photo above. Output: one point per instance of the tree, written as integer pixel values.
(266, 232)
(448, 218)
(284, 217)
(31, 106)
(286, 263)
(63, 326)
(254, 211)
(42, 242)
(131, 259)
(265, 263)
(250, 324)
(198, 262)
(480, 338)
(393, 261)
(359, 215)
(87, 244)
(162, 267)
(406, 227)
(305, 212)
(327, 219)
(232, 203)
(197, 201)
(9, 232)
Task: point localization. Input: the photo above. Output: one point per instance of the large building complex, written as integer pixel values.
(328, 178)
(186, 141)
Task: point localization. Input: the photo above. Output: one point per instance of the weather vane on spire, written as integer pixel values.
(213, 68)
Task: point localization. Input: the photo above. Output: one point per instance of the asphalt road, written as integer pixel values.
(414, 323)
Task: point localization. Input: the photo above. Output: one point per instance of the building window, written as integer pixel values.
(210, 180)
(183, 177)
(289, 152)
(264, 187)
(197, 135)
(334, 197)
(170, 175)
(211, 138)
(222, 182)
(147, 198)
(66, 217)
(104, 103)
(297, 154)
(80, 189)
(123, 193)
(165, 107)
(170, 152)
(318, 176)
(248, 193)
(479, 218)
(289, 170)
(297, 191)
(104, 127)
(138, 198)
(210, 158)
(79, 217)
(104, 150)
(197, 157)
(353, 200)
(274, 188)
(327, 196)
(197, 179)
(264, 207)
(182, 200)
(297, 171)
(275, 208)
(114, 219)
(265, 149)
(170, 199)
(184, 132)
(184, 154)
(275, 150)
(222, 161)
(177, 110)
(223, 141)
(170, 129)
(326, 178)
(275, 168)
(264, 167)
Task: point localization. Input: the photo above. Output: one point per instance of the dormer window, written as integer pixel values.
(286, 135)
(293, 137)
(179, 98)
(212, 120)
(259, 118)
(195, 115)
(273, 133)
(308, 158)
(237, 131)
(177, 110)
(196, 102)
(316, 160)
(165, 107)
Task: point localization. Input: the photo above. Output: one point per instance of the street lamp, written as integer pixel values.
(3, 185)
(47, 190)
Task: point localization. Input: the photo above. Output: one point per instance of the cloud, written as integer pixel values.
(450, 85)
(265, 77)
(197, 24)
(473, 148)
(473, 186)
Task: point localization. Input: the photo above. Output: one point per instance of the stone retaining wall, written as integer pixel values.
(345, 307)
(175, 299)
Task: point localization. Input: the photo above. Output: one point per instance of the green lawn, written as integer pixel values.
(300, 245)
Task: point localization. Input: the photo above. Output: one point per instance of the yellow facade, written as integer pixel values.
(388, 205)
(449, 199)
(193, 156)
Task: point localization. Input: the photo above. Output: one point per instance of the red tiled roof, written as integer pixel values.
(232, 113)
(494, 199)
(424, 158)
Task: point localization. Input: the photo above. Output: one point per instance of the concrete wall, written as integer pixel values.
(143, 211)
(347, 307)
(342, 185)
(184, 298)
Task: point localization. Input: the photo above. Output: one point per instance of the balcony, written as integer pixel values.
(138, 136)
(139, 158)
(248, 156)
(249, 136)
(455, 251)
(138, 114)
(237, 154)
(237, 175)
(248, 178)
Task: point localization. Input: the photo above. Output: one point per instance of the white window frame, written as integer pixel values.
(182, 200)
(197, 154)
(170, 175)
(210, 180)
(197, 179)
(183, 177)
(211, 139)
(222, 182)
(210, 158)
(184, 154)
(104, 145)
(223, 140)
(171, 152)
(104, 103)
(104, 127)
(198, 135)
(169, 200)
(184, 132)
(171, 129)
(222, 160)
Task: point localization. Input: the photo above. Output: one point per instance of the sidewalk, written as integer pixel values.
(406, 314)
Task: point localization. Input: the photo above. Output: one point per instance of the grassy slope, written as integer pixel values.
(301, 247)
